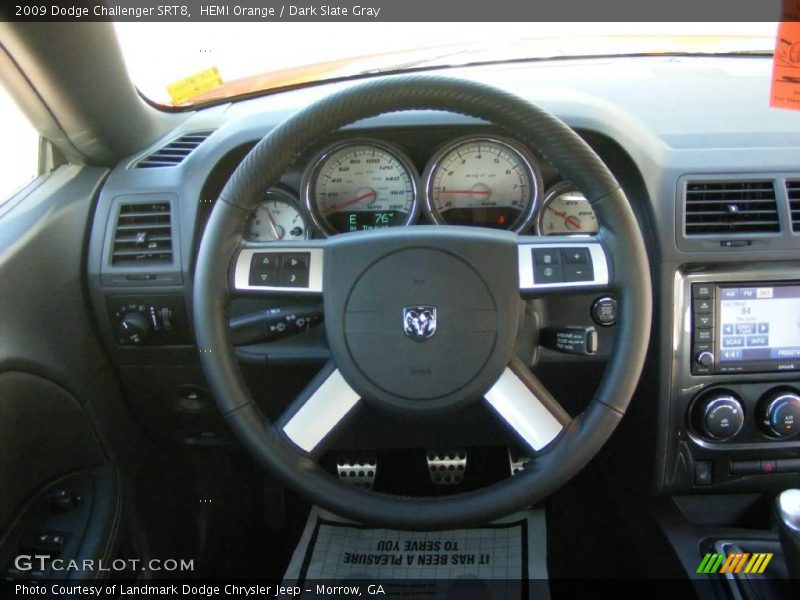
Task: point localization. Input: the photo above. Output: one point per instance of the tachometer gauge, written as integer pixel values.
(489, 182)
(566, 212)
(277, 218)
(359, 185)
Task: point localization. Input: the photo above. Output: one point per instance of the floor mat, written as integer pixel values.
(505, 559)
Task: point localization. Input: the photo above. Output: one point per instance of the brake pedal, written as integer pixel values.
(517, 459)
(357, 470)
(447, 467)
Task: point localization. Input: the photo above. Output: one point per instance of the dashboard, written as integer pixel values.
(358, 183)
(713, 178)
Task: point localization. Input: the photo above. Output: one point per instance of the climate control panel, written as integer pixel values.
(746, 413)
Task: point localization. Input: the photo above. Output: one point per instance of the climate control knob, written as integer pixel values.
(134, 328)
(780, 413)
(718, 416)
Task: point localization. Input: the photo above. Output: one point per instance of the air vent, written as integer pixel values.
(730, 207)
(173, 153)
(793, 193)
(143, 234)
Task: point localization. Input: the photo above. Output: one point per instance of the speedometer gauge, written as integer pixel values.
(566, 212)
(482, 181)
(359, 185)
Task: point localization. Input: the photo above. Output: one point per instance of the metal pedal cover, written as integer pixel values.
(517, 459)
(357, 469)
(447, 467)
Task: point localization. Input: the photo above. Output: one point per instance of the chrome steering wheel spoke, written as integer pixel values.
(525, 405)
(311, 421)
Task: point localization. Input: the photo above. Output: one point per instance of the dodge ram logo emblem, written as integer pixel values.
(419, 322)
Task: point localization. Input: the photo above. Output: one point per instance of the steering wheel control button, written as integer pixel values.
(780, 414)
(572, 265)
(547, 266)
(570, 340)
(293, 278)
(719, 416)
(604, 311)
(296, 260)
(264, 269)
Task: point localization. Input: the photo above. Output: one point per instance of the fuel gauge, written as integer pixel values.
(566, 211)
(277, 218)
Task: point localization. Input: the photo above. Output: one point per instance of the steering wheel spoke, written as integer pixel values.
(525, 405)
(284, 268)
(324, 405)
(562, 264)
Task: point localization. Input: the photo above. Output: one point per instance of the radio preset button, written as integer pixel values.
(703, 291)
(703, 321)
(703, 306)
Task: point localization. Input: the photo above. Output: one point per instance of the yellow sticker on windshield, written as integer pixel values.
(195, 85)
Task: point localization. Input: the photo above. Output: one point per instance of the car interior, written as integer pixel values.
(420, 301)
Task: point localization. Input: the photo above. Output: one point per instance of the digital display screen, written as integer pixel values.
(759, 325)
(363, 220)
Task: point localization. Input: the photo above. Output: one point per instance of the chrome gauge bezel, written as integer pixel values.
(562, 187)
(523, 153)
(287, 197)
(312, 172)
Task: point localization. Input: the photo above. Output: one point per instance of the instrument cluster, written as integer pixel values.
(477, 180)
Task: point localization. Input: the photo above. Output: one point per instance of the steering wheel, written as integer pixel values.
(423, 320)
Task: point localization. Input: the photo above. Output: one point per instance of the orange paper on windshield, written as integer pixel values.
(786, 61)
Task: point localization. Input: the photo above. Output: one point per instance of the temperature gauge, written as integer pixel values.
(277, 218)
(566, 212)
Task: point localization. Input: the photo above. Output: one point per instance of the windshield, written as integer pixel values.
(189, 64)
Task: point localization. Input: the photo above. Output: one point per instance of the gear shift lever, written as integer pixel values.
(787, 508)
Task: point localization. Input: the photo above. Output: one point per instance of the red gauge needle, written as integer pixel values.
(351, 201)
(272, 224)
(568, 220)
(473, 192)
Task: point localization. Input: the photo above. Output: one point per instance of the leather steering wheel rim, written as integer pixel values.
(563, 149)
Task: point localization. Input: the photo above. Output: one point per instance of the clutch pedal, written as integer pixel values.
(357, 470)
(517, 459)
(447, 467)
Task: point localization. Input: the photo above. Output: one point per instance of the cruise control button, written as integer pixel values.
(548, 273)
(578, 272)
(576, 256)
(547, 256)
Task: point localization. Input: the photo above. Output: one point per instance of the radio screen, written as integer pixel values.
(759, 324)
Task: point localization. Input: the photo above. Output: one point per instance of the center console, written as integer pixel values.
(735, 399)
